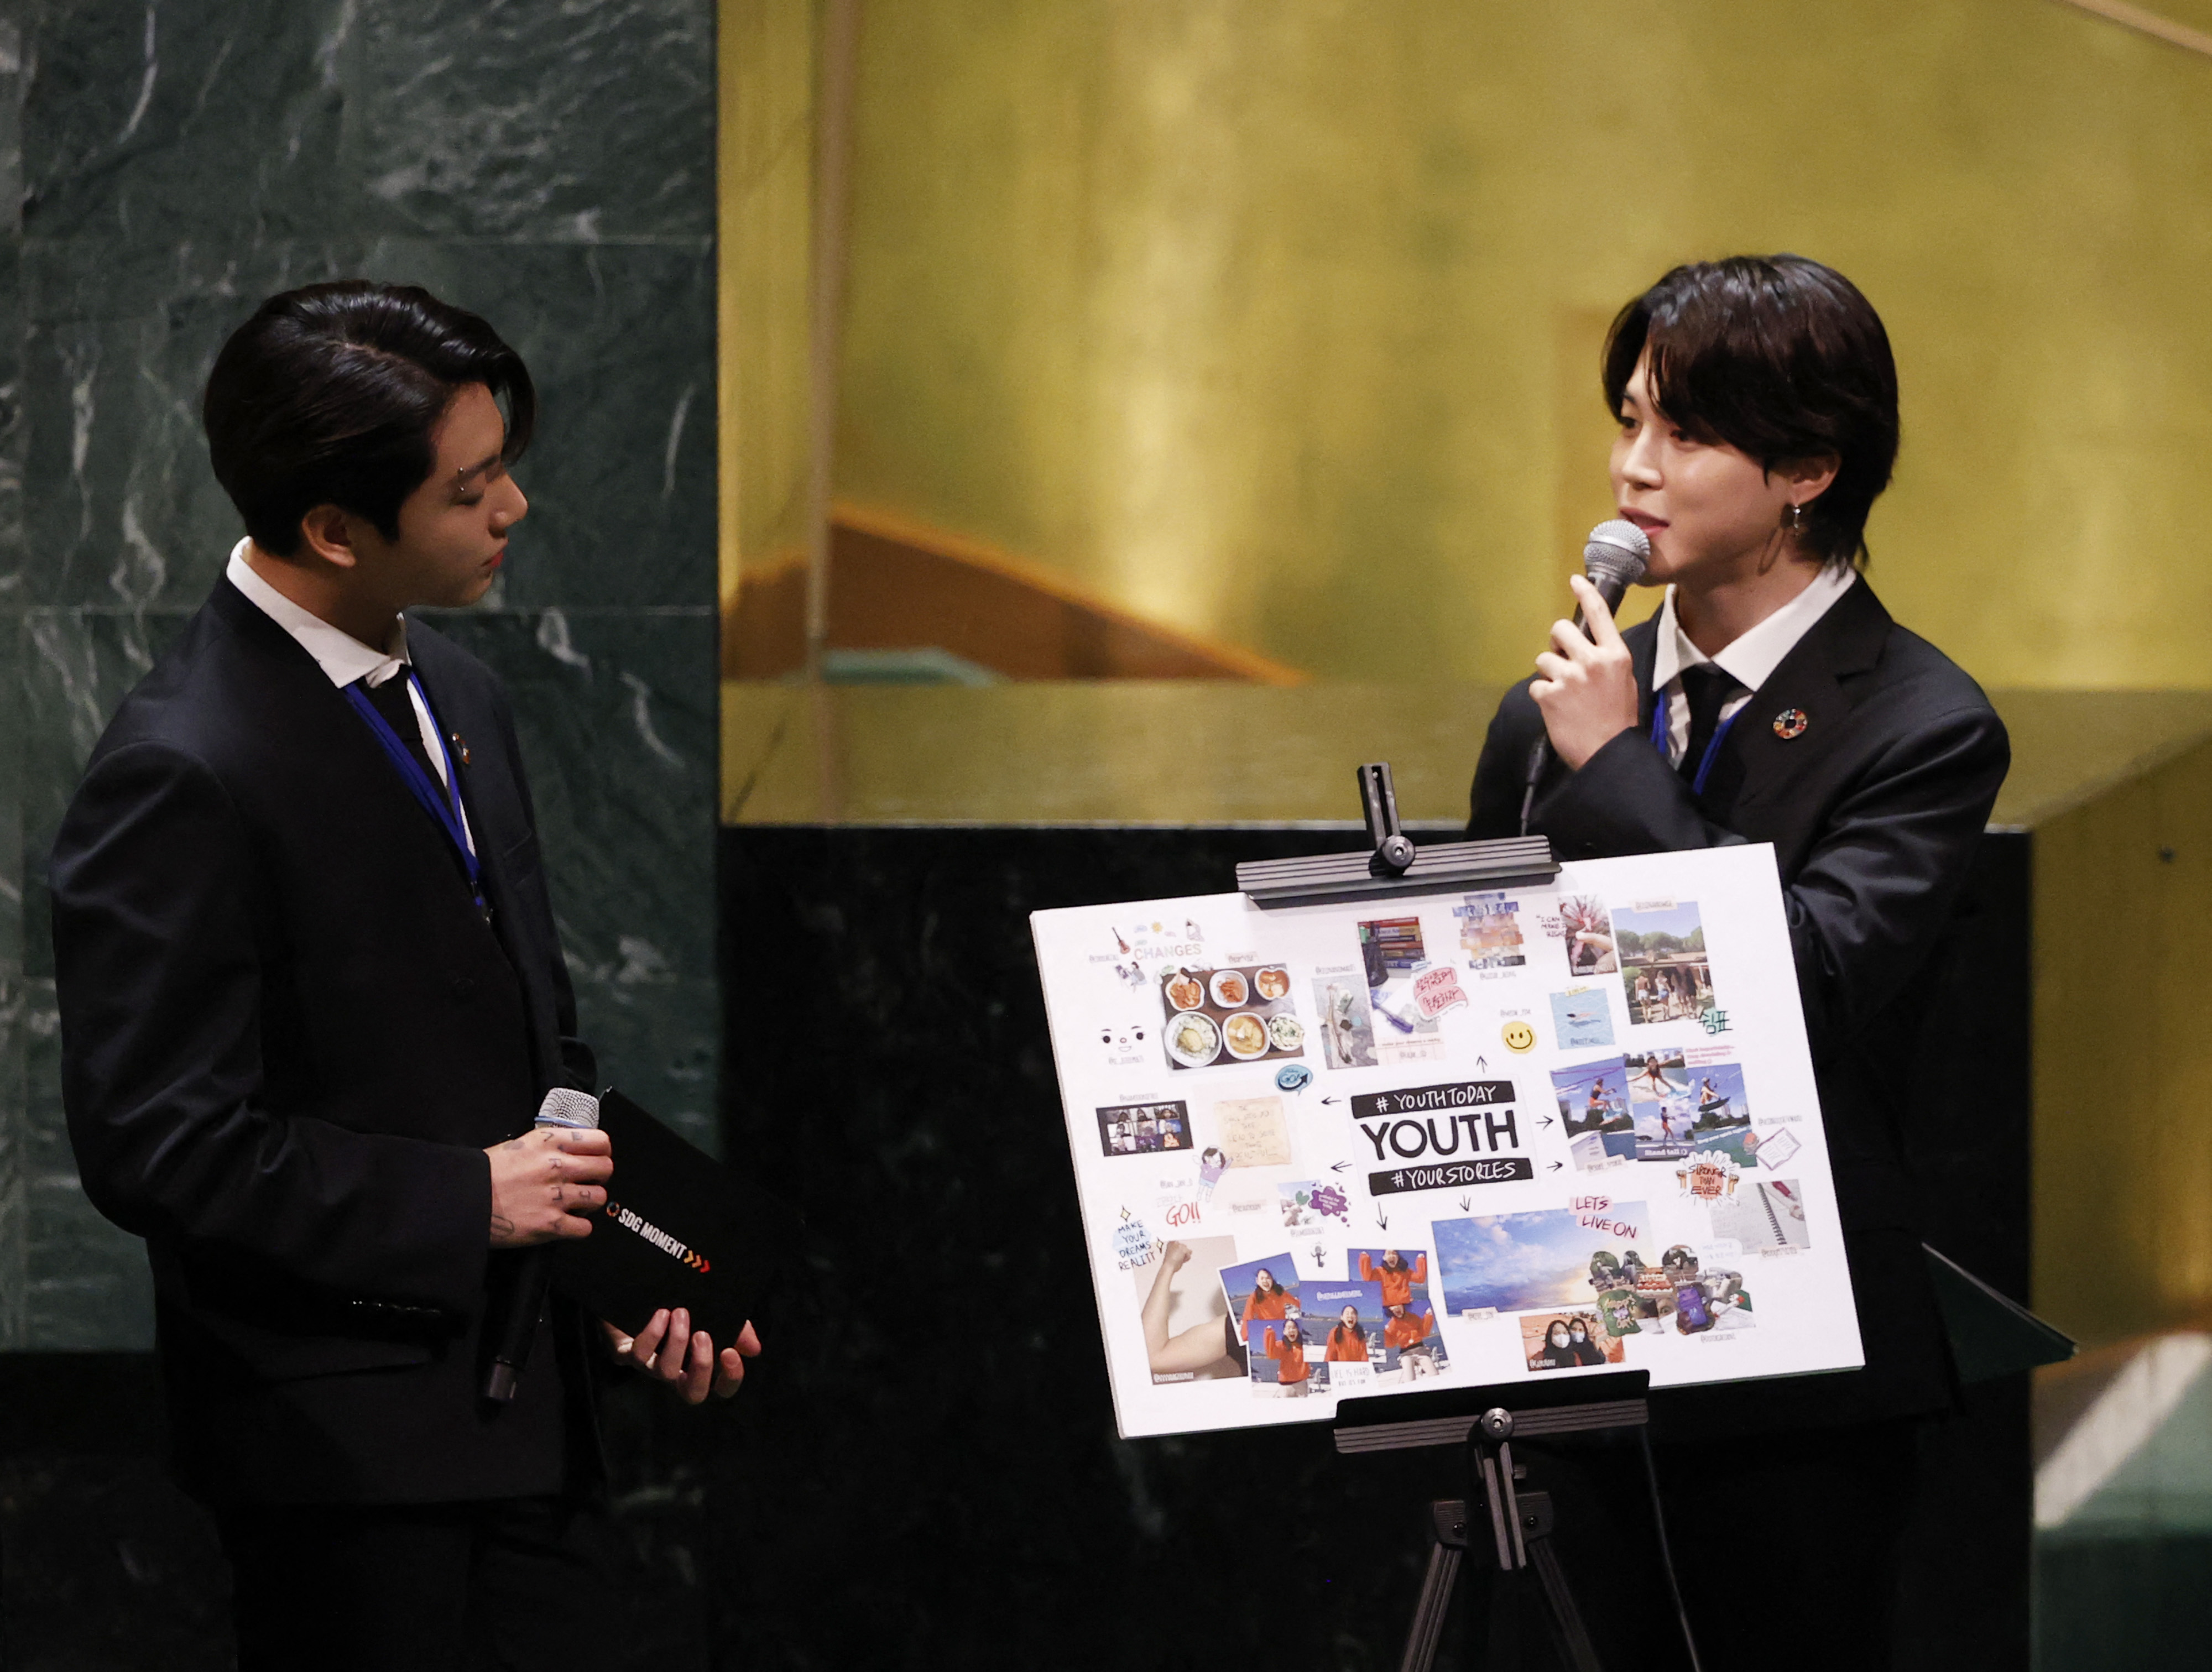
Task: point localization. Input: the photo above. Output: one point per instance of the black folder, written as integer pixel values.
(679, 1228)
(1991, 1335)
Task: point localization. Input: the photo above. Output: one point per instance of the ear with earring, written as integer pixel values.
(1793, 519)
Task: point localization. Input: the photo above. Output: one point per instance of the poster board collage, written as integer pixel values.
(1446, 1139)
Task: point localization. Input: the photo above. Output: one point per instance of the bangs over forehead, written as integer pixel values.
(1779, 357)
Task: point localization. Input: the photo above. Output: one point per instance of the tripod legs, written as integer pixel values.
(1566, 1619)
(1449, 1527)
(1449, 1524)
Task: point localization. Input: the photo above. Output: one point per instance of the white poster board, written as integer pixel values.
(1470, 1138)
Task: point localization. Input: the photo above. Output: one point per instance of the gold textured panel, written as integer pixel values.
(1252, 318)
(764, 181)
(2124, 1057)
(1122, 751)
(1206, 752)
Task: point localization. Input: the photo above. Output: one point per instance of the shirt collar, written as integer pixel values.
(342, 658)
(1751, 657)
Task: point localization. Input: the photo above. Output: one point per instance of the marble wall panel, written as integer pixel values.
(13, 998)
(85, 1286)
(13, 1091)
(620, 343)
(616, 712)
(169, 123)
(619, 339)
(547, 163)
(450, 109)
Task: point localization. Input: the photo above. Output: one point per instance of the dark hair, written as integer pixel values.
(1780, 357)
(328, 396)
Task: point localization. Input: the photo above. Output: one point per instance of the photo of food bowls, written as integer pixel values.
(1193, 1040)
(1229, 1015)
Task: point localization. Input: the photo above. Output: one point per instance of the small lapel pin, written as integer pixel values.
(1790, 723)
(461, 744)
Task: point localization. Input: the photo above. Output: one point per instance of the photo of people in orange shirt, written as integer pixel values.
(1403, 1272)
(1287, 1361)
(1412, 1346)
(1261, 1291)
(1348, 1318)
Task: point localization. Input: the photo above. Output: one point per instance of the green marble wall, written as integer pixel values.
(163, 167)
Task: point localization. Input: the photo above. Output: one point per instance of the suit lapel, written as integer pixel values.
(487, 784)
(1769, 748)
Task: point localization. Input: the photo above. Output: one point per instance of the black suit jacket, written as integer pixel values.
(1874, 811)
(287, 1035)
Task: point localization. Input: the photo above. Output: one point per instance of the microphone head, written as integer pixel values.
(1615, 558)
(566, 1107)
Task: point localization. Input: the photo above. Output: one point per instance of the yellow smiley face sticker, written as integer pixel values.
(1520, 1037)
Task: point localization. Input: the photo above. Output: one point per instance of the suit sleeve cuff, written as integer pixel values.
(1625, 799)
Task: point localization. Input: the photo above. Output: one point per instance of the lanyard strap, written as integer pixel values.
(1713, 749)
(442, 803)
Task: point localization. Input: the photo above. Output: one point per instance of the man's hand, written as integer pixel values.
(543, 1182)
(668, 1350)
(1586, 686)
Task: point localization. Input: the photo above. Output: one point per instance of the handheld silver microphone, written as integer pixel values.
(1613, 558)
(570, 1110)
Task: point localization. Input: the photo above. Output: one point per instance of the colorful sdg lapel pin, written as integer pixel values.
(1791, 723)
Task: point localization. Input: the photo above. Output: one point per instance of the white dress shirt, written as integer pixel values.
(342, 658)
(1748, 659)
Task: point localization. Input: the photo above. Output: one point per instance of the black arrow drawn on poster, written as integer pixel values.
(1554, 1166)
(1466, 1202)
(1482, 1065)
(1338, 1166)
(1544, 1119)
(1380, 1218)
(1332, 1100)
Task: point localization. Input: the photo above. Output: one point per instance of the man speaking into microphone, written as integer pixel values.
(312, 995)
(1772, 699)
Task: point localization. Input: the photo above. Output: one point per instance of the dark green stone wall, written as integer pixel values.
(164, 165)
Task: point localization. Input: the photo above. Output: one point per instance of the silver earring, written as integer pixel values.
(1793, 519)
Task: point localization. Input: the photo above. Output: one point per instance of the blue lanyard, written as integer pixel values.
(1713, 749)
(444, 806)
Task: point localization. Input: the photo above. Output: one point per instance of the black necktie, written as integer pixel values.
(1708, 686)
(391, 700)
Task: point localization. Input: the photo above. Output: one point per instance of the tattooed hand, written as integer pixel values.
(543, 1182)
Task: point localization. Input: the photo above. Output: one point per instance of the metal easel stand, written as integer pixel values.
(1393, 866)
(1497, 1519)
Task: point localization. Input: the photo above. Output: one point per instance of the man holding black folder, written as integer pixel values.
(311, 996)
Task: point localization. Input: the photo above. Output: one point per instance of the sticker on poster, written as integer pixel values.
(1594, 1108)
(1775, 1148)
(1568, 1340)
(1766, 1217)
(1585, 934)
(1350, 1316)
(1227, 1015)
(1134, 1245)
(1189, 1336)
(1582, 1018)
(1287, 1362)
(1526, 1262)
(1125, 1045)
(1392, 953)
(1144, 1128)
(1489, 931)
(1312, 1204)
(1664, 973)
(1262, 1289)
(1346, 1021)
(1251, 1132)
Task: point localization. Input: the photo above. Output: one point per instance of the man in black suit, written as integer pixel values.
(1772, 699)
(312, 995)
